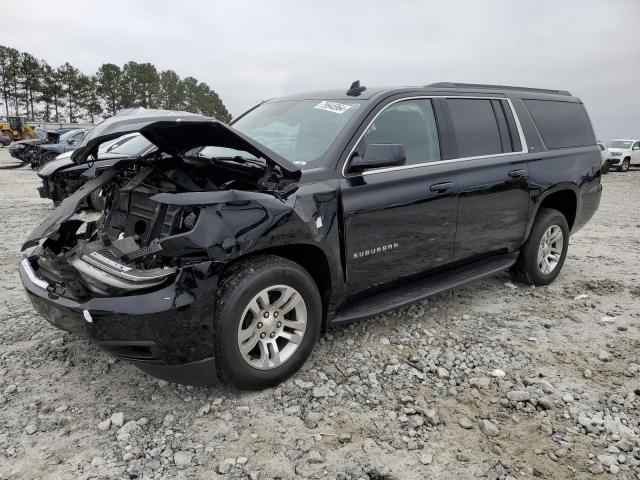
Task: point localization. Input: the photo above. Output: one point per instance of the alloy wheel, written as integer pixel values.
(272, 327)
(550, 249)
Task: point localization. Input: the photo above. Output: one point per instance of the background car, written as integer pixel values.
(27, 151)
(62, 177)
(605, 154)
(67, 142)
(624, 153)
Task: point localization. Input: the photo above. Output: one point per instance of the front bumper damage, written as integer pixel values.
(140, 278)
(166, 332)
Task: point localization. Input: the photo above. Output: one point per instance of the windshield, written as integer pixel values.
(42, 133)
(619, 144)
(66, 135)
(299, 130)
(133, 147)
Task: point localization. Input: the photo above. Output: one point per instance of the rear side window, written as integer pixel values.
(561, 124)
(475, 127)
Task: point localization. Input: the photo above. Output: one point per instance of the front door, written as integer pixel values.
(399, 221)
(635, 153)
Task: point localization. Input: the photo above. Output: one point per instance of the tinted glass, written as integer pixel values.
(475, 127)
(561, 124)
(299, 130)
(410, 123)
(133, 147)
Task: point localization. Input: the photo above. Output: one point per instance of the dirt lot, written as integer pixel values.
(495, 380)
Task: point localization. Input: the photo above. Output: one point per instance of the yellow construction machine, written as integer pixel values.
(17, 129)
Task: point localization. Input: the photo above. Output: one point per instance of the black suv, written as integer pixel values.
(226, 252)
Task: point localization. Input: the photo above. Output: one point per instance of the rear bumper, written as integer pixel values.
(167, 332)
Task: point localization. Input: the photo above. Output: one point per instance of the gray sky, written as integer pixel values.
(251, 50)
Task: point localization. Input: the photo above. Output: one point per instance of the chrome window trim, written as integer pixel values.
(523, 141)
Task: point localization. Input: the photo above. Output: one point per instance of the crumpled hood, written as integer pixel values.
(174, 132)
(31, 141)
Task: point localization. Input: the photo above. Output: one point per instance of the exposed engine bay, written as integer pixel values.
(120, 248)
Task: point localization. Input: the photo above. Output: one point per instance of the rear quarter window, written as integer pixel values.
(561, 124)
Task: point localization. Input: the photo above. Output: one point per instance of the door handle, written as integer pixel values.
(441, 187)
(518, 173)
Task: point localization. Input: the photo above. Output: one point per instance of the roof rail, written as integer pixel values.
(498, 87)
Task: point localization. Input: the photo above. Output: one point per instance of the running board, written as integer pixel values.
(422, 288)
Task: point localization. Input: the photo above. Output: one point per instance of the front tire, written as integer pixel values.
(46, 158)
(543, 254)
(267, 320)
(626, 163)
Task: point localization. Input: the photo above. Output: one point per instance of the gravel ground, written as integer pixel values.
(493, 380)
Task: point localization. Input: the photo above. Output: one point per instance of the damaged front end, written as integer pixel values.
(142, 235)
(142, 272)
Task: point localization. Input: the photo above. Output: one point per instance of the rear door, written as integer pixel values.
(399, 221)
(493, 180)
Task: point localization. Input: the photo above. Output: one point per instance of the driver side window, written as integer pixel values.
(636, 146)
(410, 123)
(76, 139)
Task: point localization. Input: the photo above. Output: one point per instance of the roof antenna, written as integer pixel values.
(355, 89)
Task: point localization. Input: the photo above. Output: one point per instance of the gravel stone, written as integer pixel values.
(518, 396)
(104, 425)
(489, 429)
(117, 419)
(226, 465)
(182, 458)
(426, 459)
(465, 423)
(604, 356)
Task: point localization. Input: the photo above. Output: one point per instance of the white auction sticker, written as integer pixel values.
(334, 107)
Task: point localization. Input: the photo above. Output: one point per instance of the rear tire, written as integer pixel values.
(543, 254)
(258, 342)
(606, 167)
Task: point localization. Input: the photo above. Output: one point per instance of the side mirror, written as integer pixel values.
(379, 155)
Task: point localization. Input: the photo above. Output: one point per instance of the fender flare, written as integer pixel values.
(537, 201)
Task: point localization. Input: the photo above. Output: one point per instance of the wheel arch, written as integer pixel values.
(564, 199)
(310, 257)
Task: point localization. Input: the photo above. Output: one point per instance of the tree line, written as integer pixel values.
(34, 89)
